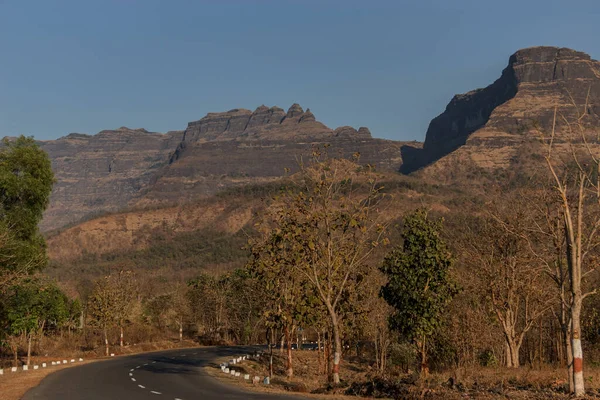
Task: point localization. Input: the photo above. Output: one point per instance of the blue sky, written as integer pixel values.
(84, 66)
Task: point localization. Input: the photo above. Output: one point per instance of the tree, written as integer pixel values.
(125, 293)
(575, 175)
(331, 210)
(272, 261)
(419, 285)
(30, 308)
(498, 251)
(26, 180)
(208, 298)
(102, 307)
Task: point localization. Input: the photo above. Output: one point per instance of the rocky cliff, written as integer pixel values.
(489, 123)
(123, 168)
(104, 172)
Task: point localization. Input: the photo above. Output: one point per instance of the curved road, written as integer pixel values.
(165, 375)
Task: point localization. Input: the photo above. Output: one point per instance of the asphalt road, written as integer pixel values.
(169, 375)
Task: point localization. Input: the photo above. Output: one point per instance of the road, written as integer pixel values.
(168, 375)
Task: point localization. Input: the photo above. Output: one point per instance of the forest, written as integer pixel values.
(507, 282)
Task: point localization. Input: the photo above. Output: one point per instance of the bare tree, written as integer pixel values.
(575, 175)
(499, 250)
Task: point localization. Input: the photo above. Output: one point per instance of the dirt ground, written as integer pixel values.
(359, 381)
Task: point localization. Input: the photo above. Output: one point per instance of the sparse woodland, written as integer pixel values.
(503, 282)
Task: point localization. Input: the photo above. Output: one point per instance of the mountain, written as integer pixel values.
(125, 168)
(487, 127)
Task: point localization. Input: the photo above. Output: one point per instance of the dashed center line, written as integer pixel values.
(153, 392)
(133, 379)
(143, 387)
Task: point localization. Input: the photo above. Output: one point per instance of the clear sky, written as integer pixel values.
(83, 65)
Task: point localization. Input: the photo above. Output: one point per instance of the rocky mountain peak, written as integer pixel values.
(308, 116)
(535, 81)
(294, 111)
(549, 64)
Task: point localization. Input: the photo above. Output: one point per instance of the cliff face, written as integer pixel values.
(104, 172)
(536, 80)
(117, 169)
(239, 147)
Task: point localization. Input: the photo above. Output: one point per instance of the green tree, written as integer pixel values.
(419, 285)
(26, 180)
(32, 307)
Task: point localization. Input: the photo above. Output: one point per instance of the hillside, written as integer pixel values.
(487, 127)
(118, 169)
(178, 200)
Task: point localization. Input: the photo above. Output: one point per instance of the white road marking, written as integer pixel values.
(143, 387)
(133, 379)
(153, 392)
(130, 374)
(131, 370)
(138, 367)
(145, 364)
(153, 362)
(177, 398)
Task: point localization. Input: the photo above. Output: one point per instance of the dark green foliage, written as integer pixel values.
(33, 307)
(419, 287)
(26, 180)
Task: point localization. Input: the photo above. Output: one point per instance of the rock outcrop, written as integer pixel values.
(496, 118)
(103, 172)
(122, 168)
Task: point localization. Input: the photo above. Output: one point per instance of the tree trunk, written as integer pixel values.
(289, 369)
(319, 354)
(423, 350)
(106, 341)
(512, 348)
(181, 331)
(337, 349)
(576, 349)
(569, 352)
(121, 337)
(15, 349)
(281, 344)
(271, 362)
(377, 355)
(29, 349)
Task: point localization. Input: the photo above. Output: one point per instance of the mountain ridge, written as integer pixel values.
(126, 167)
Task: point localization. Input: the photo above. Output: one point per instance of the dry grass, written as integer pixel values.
(474, 383)
(306, 375)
